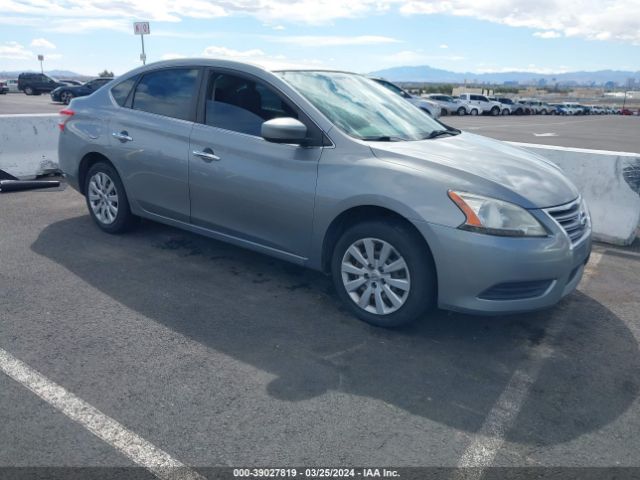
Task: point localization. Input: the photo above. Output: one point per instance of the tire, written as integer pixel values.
(506, 112)
(474, 112)
(101, 178)
(412, 287)
(29, 91)
(462, 111)
(66, 97)
(495, 111)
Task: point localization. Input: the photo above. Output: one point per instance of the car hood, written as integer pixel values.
(494, 168)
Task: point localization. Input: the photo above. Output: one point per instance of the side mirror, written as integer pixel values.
(284, 130)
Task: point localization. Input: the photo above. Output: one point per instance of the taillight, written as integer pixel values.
(66, 115)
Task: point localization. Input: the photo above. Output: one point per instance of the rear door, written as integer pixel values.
(255, 191)
(150, 140)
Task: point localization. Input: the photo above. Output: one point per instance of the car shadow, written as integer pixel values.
(286, 320)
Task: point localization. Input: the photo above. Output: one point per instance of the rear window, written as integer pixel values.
(167, 92)
(121, 91)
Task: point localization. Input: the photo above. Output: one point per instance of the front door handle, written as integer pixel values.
(207, 155)
(123, 136)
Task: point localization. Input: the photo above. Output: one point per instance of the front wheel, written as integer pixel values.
(384, 273)
(107, 200)
(28, 91)
(66, 97)
(495, 111)
(474, 112)
(462, 111)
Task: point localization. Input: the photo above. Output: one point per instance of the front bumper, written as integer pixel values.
(469, 264)
(55, 96)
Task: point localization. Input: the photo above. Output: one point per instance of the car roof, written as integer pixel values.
(225, 63)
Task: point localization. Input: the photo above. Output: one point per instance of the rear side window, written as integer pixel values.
(121, 91)
(167, 92)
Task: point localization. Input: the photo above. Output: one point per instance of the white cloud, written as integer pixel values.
(444, 45)
(42, 43)
(259, 57)
(591, 19)
(333, 41)
(547, 34)
(15, 51)
(615, 20)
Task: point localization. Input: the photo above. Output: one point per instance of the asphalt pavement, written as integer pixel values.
(223, 357)
(597, 132)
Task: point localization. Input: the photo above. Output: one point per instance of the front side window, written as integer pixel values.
(241, 104)
(167, 92)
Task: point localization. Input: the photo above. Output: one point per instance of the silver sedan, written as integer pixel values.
(332, 171)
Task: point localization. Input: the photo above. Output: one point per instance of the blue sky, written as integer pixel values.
(544, 36)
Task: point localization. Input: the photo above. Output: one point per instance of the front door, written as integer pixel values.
(259, 192)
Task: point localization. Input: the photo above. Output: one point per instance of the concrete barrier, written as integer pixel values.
(609, 182)
(29, 145)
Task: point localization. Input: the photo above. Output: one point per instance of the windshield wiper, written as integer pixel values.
(383, 138)
(439, 133)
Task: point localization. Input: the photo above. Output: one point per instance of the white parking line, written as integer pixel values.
(145, 454)
(490, 438)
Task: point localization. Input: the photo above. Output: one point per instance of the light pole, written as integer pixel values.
(41, 59)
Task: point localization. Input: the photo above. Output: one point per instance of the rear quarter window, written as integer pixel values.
(121, 91)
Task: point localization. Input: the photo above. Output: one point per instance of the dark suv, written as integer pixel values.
(66, 93)
(36, 83)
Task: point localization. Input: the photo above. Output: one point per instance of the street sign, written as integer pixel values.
(40, 58)
(141, 28)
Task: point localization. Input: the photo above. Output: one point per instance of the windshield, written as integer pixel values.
(360, 107)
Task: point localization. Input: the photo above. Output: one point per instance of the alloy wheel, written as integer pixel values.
(103, 198)
(375, 276)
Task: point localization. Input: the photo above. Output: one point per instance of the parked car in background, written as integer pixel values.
(430, 108)
(4, 89)
(67, 93)
(571, 108)
(12, 84)
(36, 83)
(482, 103)
(70, 82)
(329, 171)
(536, 107)
(450, 105)
(515, 107)
(506, 107)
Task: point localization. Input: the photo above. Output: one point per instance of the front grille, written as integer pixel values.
(516, 290)
(572, 218)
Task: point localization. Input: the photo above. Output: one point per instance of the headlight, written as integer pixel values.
(496, 217)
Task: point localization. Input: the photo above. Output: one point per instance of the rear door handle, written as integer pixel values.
(207, 155)
(123, 136)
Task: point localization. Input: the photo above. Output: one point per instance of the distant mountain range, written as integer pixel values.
(427, 74)
(51, 73)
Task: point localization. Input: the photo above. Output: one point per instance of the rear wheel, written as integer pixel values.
(384, 273)
(107, 200)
